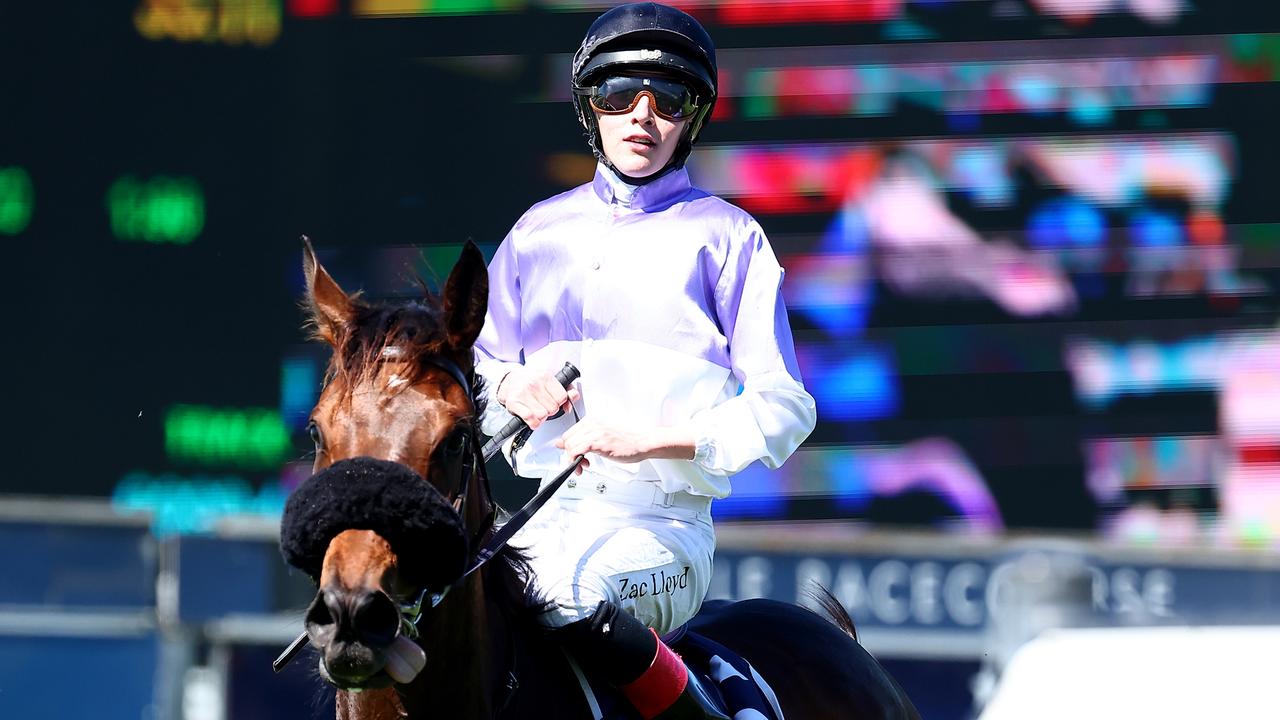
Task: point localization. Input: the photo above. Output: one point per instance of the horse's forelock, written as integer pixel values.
(408, 332)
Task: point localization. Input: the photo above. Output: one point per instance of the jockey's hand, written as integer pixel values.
(625, 445)
(405, 659)
(533, 396)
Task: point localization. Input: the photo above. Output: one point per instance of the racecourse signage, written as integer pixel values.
(943, 592)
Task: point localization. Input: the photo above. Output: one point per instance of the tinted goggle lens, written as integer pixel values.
(671, 99)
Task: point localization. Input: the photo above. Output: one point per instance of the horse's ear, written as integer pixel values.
(466, 298)
(330, 307)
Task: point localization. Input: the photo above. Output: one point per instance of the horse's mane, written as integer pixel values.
(516, 594)
(415, 329)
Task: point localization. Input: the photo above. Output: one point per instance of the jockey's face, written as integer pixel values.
(641, 142)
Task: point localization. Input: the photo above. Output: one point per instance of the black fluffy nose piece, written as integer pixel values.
(390, 499)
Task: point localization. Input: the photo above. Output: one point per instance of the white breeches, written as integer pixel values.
(606, 540)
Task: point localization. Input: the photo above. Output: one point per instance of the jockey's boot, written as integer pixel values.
(630, 656)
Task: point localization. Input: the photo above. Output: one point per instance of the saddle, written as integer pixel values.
(722, 681)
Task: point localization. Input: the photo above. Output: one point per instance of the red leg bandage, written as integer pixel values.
(661, 685)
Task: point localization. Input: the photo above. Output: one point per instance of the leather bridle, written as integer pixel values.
(473, 464)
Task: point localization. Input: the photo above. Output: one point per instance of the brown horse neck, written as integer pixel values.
(381, 704)
(460, 679)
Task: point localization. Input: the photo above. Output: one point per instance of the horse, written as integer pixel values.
(401, 388)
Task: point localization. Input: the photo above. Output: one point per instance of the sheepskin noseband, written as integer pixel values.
(388, 498)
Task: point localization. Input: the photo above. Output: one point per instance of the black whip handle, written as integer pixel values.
(565, 377)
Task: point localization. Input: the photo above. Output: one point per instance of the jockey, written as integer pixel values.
(668, 299)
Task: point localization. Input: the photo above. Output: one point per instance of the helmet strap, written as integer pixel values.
(677, 161)
(671, 165)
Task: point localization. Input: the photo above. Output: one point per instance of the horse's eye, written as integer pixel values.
(456, 443)
(314, 431)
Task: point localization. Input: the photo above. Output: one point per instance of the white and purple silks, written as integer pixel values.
(668, 299)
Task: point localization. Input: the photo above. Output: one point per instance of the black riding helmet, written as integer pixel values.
(646, 36)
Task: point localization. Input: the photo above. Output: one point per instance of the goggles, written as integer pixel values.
(616, 94)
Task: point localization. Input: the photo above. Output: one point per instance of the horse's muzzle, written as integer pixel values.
(352, 630)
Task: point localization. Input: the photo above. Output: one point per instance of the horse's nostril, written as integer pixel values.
(377, 619)
(322, 617)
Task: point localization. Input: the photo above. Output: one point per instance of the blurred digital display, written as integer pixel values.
(393, 8)
(16, 200)
(1031, 248)
(249, 437)
(181, 504)
(161, 209)
(234, 22)
(312, 8)
(800, 12)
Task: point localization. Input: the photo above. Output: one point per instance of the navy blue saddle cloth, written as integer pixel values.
(728, 680)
